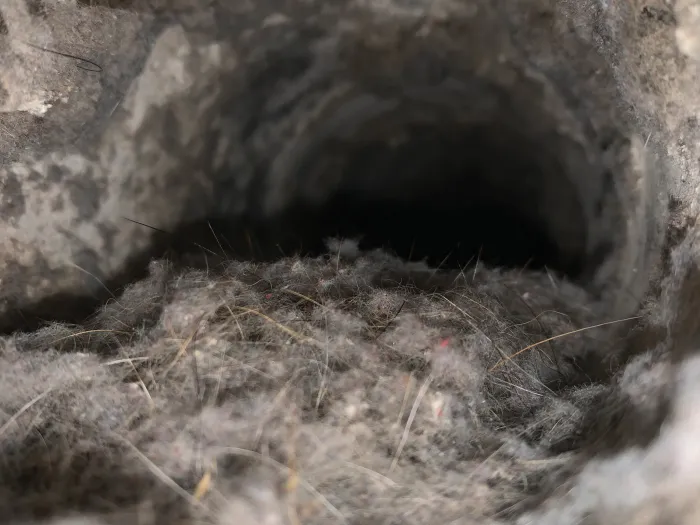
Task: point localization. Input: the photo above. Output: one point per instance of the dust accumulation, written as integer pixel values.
(353, 261)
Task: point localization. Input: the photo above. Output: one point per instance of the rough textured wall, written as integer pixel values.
(233, 103)
(354, 386)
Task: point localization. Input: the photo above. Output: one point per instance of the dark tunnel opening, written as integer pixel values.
(463, 173)
(444, 234)
(448, 196)
(445, 192)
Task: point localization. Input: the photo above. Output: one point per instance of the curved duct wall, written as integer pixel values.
(453, 175)
(450, 140)
(449, 133)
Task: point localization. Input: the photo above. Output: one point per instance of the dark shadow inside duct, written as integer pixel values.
(429, 186)
(448, 196)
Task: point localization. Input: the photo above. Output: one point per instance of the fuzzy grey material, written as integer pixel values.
(354, 387)
(350, 389)
(381, 396)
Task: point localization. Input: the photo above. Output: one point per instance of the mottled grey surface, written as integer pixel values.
(232, 98)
